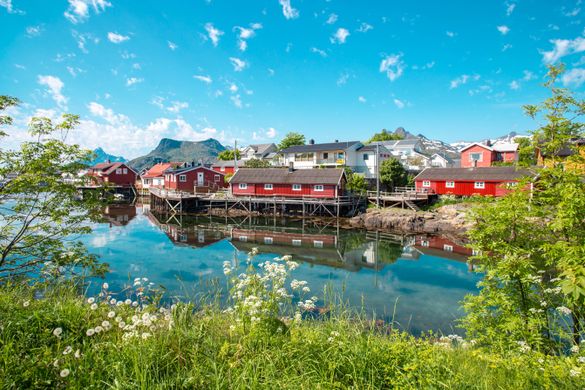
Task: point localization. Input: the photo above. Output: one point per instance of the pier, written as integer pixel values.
(403, 197)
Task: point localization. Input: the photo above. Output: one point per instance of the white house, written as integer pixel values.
(259, 151)
(366, 160)
(334, 154)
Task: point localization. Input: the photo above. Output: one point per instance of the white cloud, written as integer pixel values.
(54, 86)
(205, 79)
(507, 46)
(236, 99)
(574, 77)
(78, 10)
(365, 27)
(74, 71)
(106, 114)
(117, 38)
(8, 5)
(572, 13)
(361, 99)
(510, 8)
(33, 31)
(463, 79)
(318, 51)
(393, 66)
(83, 38)
(331, 19)
(271, 132)
(287, 10)
(503, 29)
(451, 34)
(176, 106)
(528, 75)
(563, 47)
(246, 33)
(133, 80)
(213, 33)
(342, 79)
(399, 103)
(514, 85)
(173, 46)
(238, 64)
(233, 88)
(340, 36)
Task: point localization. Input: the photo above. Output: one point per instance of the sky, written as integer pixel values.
(251, 71)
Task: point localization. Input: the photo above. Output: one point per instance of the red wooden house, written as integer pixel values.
(490, 181)
(154, 177)
(118, 174)
(480, 155)
(194, 179)
(225, 167)
(283, 182)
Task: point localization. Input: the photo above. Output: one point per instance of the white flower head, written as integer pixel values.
(105, 286)
(67, 350)
(57, 332)
(25, 304)
(90, 300)
(111, 314)
(77, 354)
(99, 329)
(94, 306)
(90, 332)
(64, 373)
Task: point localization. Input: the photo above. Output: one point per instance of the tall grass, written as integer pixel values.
(203, 348)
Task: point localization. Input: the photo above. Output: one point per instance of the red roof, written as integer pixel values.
(159, 169)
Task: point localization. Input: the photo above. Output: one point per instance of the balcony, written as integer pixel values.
(331, 161)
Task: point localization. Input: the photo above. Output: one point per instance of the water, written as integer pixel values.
(394, 277)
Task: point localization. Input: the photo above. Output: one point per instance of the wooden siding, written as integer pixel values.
(488, 157)
(285, 190)
(464, 188)
(225, 171)
(191, 180)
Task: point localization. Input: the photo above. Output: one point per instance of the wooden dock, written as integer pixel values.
(184, 202)
(404, 197)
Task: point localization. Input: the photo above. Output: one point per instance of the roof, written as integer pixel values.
(261, 148)
(399, 144)
(320, 147)
(180, 170)
(372, 148)
(472, 174)
(477, 144)
(158, 169)
(569, 149)
(446, 158)
(224, 163)
(330, 176)
(108, 168)
(505, 147)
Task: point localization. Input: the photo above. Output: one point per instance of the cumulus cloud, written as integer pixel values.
(562, 48)
(528, 75)
(83, 38)
(8, 5)
(340, 36)
(451, 34)
(361, 99)
(574, 77)
(287, 10)
(233, 88)
(514, 85)
(133, 80)
(399, 103)
(318, 51)
(79, 10)
(213, 33)
(393, 66)
(503, 29)
(54, 86)
(117, 38)
(237, 100)
(173, 46)
(205, 79)
(238, 64)
(364, 27)
(332, 19)
(271, 132)
(463, 79)
(246, 33)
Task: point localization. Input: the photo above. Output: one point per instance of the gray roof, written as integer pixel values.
(473, 174)
(283, 176)
(320, 147)
(399, 144)
(261, 148)
(225, 163)
(372, 148)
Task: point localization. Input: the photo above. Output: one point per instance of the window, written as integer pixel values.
(297, 242)
(366, 157)
(475, 252)
(243, 186)
(325, 156)
(183, 238)
(448, 248)
(475, 156)
(426, 183)
(182, 178)
(125, 171)
(268, 240)
(243, 238)
(304, 156)
(118, 171)
(318, 187)
(479, 185)
(222, 169)
(216, 177)
(450, 184)
(341, 156)
(424, 243)
(296, 187)
(268, 187)
(318, 244)
(511, 185)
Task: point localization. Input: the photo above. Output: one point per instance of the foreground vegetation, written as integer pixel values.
(62, 340)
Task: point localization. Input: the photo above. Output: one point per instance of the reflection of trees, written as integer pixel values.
(351, 241)
(388, 252)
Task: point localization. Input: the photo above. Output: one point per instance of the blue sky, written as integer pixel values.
(136, 71)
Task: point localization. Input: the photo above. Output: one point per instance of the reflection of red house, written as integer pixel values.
(282, 182)
(119, 215)
(283, 238)
(480, 155)
(443, 244)
(117, 173)
(491, 181)
(194, 179)
(192, 236)
(225, 167)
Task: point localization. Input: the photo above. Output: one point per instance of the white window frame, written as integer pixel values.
(450, 184)
(183, 178)
(268, 240)
(317, 244)
(319, 188)
(118, 171)
(243, 186)
(222, 169)
(297, 242)
(479, 185)
(125, 171)
(424, 243)
(297, 187)
(448, 248)
(268, 187)
(216, 178)
(366, 156)
(243, 238)
(426, 183)
(480, 159)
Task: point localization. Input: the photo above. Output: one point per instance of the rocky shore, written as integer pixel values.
(450, 219)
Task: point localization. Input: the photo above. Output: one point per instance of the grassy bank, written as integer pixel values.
(62, 340)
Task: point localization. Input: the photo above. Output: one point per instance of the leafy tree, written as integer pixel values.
(257, 163)
(392, 173)
(355, 183)
(228, 155)
(531, 246)
(40, 214)
(291, 139)
(526, 152)
(384, 135)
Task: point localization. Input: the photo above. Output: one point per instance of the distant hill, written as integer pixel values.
(429, 146)
(181, 151)
(511, 137)
(102, 156)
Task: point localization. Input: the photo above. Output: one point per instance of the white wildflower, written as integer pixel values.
(575, 372)
(64, 373)
(77, 354)
(298, 317)
(112, 301)
(564, 310)
(119, 303)
(134, 304)
(67, 350)
(111, 314)
(145, 335)
(25, 303)
(306, 289)
(575, 349)
(90, 332)
(543, 303)
(94, 306)
(106, 325)
(122, 324)
(105, 286)
(99, 329)
(581, 359)
(57, 332)
(524, 347)
(128, 302)
(90, 300)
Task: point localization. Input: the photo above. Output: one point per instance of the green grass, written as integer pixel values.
(203, 350)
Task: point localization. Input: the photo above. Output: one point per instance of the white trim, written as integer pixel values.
(318, 188)
(294, 187)
(317, 244)
(426, 183)
(476, 144)
(479, 185)
(268, 240)
(450, 184)
(448, 248)
(182, 178)
(268, 187)
(297, 242)
(243, 186)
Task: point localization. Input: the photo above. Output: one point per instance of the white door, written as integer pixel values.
(200, 178)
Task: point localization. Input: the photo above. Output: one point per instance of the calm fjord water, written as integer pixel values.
(420, 287)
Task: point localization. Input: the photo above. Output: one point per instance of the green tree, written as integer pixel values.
(531, 246)
(291, 139)
(257, 163)
(526, 152)
(228, 155)
(392, 173)
(40, 214)
(384, 135)
(355, 182)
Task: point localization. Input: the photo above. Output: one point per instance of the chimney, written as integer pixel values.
(291, 167)
(108, 161)
(311, 141)
(488, 142)
(336, 141)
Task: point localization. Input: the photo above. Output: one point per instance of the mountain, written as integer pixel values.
(102, 156)
(511, 137)
(180, 151)
(429, 146)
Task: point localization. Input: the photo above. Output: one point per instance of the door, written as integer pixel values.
(200, 178)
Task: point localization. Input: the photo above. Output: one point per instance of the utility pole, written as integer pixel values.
(235, 155)
(377, 175)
